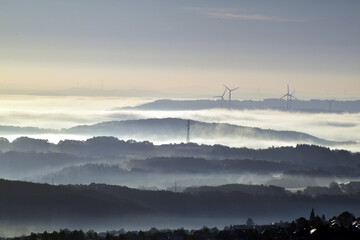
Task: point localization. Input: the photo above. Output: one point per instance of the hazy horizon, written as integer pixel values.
(88, 145)
(181, 48)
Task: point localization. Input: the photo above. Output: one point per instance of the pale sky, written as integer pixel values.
(182, 48)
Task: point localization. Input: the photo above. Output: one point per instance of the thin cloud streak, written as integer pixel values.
(232, 15)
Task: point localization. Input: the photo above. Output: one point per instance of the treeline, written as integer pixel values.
(344, 226)
(113, 147)
(97, 146)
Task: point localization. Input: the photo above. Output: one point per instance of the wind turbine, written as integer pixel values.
(330, 104)
(289, 97)
(230, 90)
(222, 97)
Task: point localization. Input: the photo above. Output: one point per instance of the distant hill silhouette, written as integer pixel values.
(313, 105)
(175, 128)
(4, 129)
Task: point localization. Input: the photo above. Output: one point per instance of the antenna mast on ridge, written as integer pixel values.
(188, 131)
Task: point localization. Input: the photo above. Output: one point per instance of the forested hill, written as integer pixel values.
(30, 202)
(174, 130)
(113, 147)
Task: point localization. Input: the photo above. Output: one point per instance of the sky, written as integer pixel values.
(186, 48)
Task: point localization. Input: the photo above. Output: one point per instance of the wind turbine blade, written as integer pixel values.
(226, 87)
(283, 96)
(288, 88)
(293, 92)
(234, 89)
(224, 92)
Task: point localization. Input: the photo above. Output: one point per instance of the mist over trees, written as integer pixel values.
(114, 161)
(89, 141)
(105, 180)
(112, 146)
(173, 130)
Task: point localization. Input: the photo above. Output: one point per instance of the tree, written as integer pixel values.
(250, 222)
(312, 215)
(302, 225)
(346, 219)
(108, 237)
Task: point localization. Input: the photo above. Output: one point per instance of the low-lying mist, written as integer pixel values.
(177, 182)
(330, 126)
(143, 164)
(334, 127)
(67, 112)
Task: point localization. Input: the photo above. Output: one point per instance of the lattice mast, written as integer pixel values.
(188, 131)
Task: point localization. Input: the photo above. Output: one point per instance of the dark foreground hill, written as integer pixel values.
(96, 205)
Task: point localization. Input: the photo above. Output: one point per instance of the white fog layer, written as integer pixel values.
(59, 113)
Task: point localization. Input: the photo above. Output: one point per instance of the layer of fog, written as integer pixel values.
(330, 126)
(154, 181)
(59, 112)
(336, 127)
(179, 182)
(65, 112)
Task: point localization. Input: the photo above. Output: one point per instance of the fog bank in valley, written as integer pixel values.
(173, 130)
(67, 112)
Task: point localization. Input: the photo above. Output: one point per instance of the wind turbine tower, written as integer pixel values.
(230, 90)
(330, 104)
(222, 98)
(188, 131)
(289, 97)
